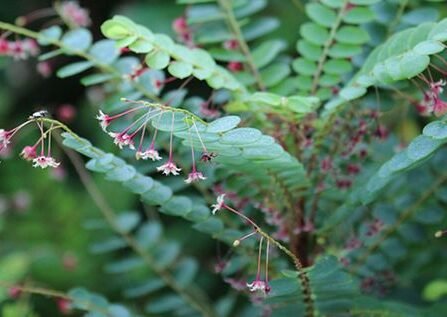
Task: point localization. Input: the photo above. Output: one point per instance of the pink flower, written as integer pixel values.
(104, 120)
(29, 153)
(259, 285)
(64, 306)
(66, 112)
(4, 47)
(231, 44)
(148, 154)
(44, 69)
(194, 176)
(122, 139)
(219, 205)
(5, 137)
(45, 161)
(235, 66)
(180, 25)
(73, 14)
(169, 168)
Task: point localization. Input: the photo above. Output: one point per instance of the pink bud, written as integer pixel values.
(235, 66)
(66, 113)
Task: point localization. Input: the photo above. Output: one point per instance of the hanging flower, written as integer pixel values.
(148, 154)
(258, 285)
(29, 153)
(169, 168)
(104, 120)
(73, 14)
(122, 139)
(5, 137)
(219, 205)
(45, 161)
(194, 176)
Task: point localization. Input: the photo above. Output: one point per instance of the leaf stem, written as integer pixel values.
(236, 30)
(327, 46)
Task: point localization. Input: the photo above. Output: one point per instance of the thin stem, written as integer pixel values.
(198, 135)
(258, 273)
(171, 136)
(90, 306)
(267, 262)
(226, 5)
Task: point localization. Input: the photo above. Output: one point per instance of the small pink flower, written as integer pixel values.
(45, 161)
(235, 66)
(66, 112)
(148, 154)
(194, 176)
(259, 285)
(122, 139)
(44, 69)
(231, 44)
(74, 14)
(30, 46)
(5, 137)
(219, 205)
(169, 168)
(180, 26)
(28, 153)
(4, 47)
(104, 120)
(64, 306)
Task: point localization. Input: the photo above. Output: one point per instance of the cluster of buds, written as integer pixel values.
(19, 49)
(73, 14)
(133, 137)
(183, 31)
(258, 284)
(374, 227)
(40, 152)
(380, 284)
(431, 101)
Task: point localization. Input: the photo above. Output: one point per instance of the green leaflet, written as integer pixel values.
(403, 56)
(161, 49)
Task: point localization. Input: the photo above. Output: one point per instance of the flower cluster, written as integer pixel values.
(73, 14)
(19, 49)
(133, 137)
(41, 158)
(431, 101)
(258, 284)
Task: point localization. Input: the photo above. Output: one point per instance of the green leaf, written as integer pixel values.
(73, 69)
(177, 206)
(77, 40)
(141, 46)
(265, 53)
(339, 50)
(164, 304)
(144, 288)
(241, 136)
(321, 14)
(127, 221)
(352, 35)
(314, 33)
(180, 69)
(259, 27)
(49, 35)
(359, 15)
(95, 79)
(274, 74)
(304, 66)
(157, 59)
(337, 66)
(435, 290)
(223, 124)
(118, 311)
(436, 130)
(104, 52)
(309, 51)
(116, 29)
